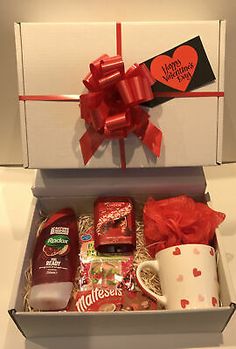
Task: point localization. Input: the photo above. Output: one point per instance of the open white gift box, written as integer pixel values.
(52, 60)
(78, 190)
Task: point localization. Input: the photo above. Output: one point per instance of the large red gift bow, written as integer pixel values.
(111, 108)
(129, 116)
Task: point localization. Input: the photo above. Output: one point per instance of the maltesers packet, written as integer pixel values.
(107, 282)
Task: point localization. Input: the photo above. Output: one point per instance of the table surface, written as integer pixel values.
(15, 202)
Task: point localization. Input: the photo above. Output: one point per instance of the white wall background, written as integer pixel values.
(105, 10)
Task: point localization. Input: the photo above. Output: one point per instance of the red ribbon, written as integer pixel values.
(76, 98)
(111, 108)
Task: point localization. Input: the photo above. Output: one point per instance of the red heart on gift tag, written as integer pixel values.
(177, 251)
(184, 303)
(176, 71)
(196, 272)
(214, 301)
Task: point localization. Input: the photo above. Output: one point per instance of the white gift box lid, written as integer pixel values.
(53, 58)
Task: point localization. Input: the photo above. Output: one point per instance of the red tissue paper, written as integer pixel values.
(179, 220)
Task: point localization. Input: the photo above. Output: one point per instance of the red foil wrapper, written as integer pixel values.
(114, 225)
(110, 300)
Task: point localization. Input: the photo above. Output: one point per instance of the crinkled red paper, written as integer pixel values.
(178, 220)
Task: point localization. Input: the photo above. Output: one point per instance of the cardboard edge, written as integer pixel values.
(21, 257)
(221, 74)
(21, 90)
(225, 273)
(19, 59)
(24, 138)
(48, 183)
(233, 307)
(92, 323)
(12, 313)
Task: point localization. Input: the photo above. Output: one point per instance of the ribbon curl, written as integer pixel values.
(111, 107)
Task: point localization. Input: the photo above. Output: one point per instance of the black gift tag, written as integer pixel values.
(183, 68)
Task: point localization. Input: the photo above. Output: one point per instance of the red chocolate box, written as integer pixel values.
(114, 225)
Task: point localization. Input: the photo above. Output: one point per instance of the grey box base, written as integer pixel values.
(130, 323)
(45, 324)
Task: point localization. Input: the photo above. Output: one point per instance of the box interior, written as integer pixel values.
(50, 197)
(83, 204)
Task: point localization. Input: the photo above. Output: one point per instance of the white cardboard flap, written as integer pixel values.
(162, 182)
(54, 58)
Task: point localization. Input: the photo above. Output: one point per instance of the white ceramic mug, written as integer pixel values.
(188, 277)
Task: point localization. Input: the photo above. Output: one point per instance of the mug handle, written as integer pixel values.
(154, 266)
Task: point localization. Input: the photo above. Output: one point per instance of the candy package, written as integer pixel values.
(107, 281)
(114, 222)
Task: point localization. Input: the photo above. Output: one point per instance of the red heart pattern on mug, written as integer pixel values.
(196, 251)
(176, 71)
(184, 303)
(180, 278)
(212, 252)
(196, 272)
(177, 251)
(201, 298)
(214, 301)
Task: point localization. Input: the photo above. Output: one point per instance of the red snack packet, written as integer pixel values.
(107, 282)
(100, 270)
(110, 300)
(178, 220)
